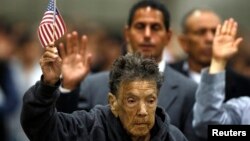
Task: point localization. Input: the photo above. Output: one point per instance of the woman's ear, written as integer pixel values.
(113, 104)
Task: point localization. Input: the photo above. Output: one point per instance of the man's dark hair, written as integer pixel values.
(132, 67)
(153, 4)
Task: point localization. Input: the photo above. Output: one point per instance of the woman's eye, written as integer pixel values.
(130, 100)
(151, 101)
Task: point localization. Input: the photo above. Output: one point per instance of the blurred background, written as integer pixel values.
(112, 14)
(103, 21)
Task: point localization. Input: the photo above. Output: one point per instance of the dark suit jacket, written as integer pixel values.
(236, 84)
(176, 97)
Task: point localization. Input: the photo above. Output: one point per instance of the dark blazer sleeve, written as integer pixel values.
(68, 102)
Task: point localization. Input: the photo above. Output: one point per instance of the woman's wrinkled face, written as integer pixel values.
(136, 106)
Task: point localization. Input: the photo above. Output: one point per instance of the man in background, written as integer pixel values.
(198, 31)
(210, 107)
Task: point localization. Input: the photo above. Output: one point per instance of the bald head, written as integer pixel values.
(199, 26)
(198, 17)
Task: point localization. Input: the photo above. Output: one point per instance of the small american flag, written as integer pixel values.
(46, 31)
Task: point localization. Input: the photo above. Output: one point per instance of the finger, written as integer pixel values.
(44, 61)
(51, 44)
(218, 30)
(47, 60)
(52, 50)
(62, 50)
(88, 61)
(48, 54)
(229, 26)
(58, 61)
(83, 47)
(68, 44)
(227, 30)
(237, 42)
(234, 29)
(224, 27)
(75, 46)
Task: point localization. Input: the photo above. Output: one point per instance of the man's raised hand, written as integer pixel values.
(225, 45)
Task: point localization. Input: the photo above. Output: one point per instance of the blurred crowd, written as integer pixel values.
(20, 51)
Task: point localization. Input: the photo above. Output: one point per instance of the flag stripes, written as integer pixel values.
(50, 27)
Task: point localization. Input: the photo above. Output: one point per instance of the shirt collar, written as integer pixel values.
(162, 65)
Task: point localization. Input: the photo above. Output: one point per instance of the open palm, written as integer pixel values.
(225, 45)
(76, 62)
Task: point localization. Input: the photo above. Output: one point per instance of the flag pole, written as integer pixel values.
(54, 19)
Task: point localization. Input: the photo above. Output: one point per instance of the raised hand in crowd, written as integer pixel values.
(210, 107)
(225, 45)
(50, 63)
(76, 62)
(73, 62)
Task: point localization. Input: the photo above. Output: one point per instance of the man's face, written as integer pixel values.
(201, 27)
(147, 33)
(136, 105)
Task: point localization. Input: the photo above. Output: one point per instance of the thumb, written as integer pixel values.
(237, 42)
(51, 44)
(88, 59)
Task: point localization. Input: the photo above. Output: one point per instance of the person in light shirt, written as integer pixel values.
(210, 107)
